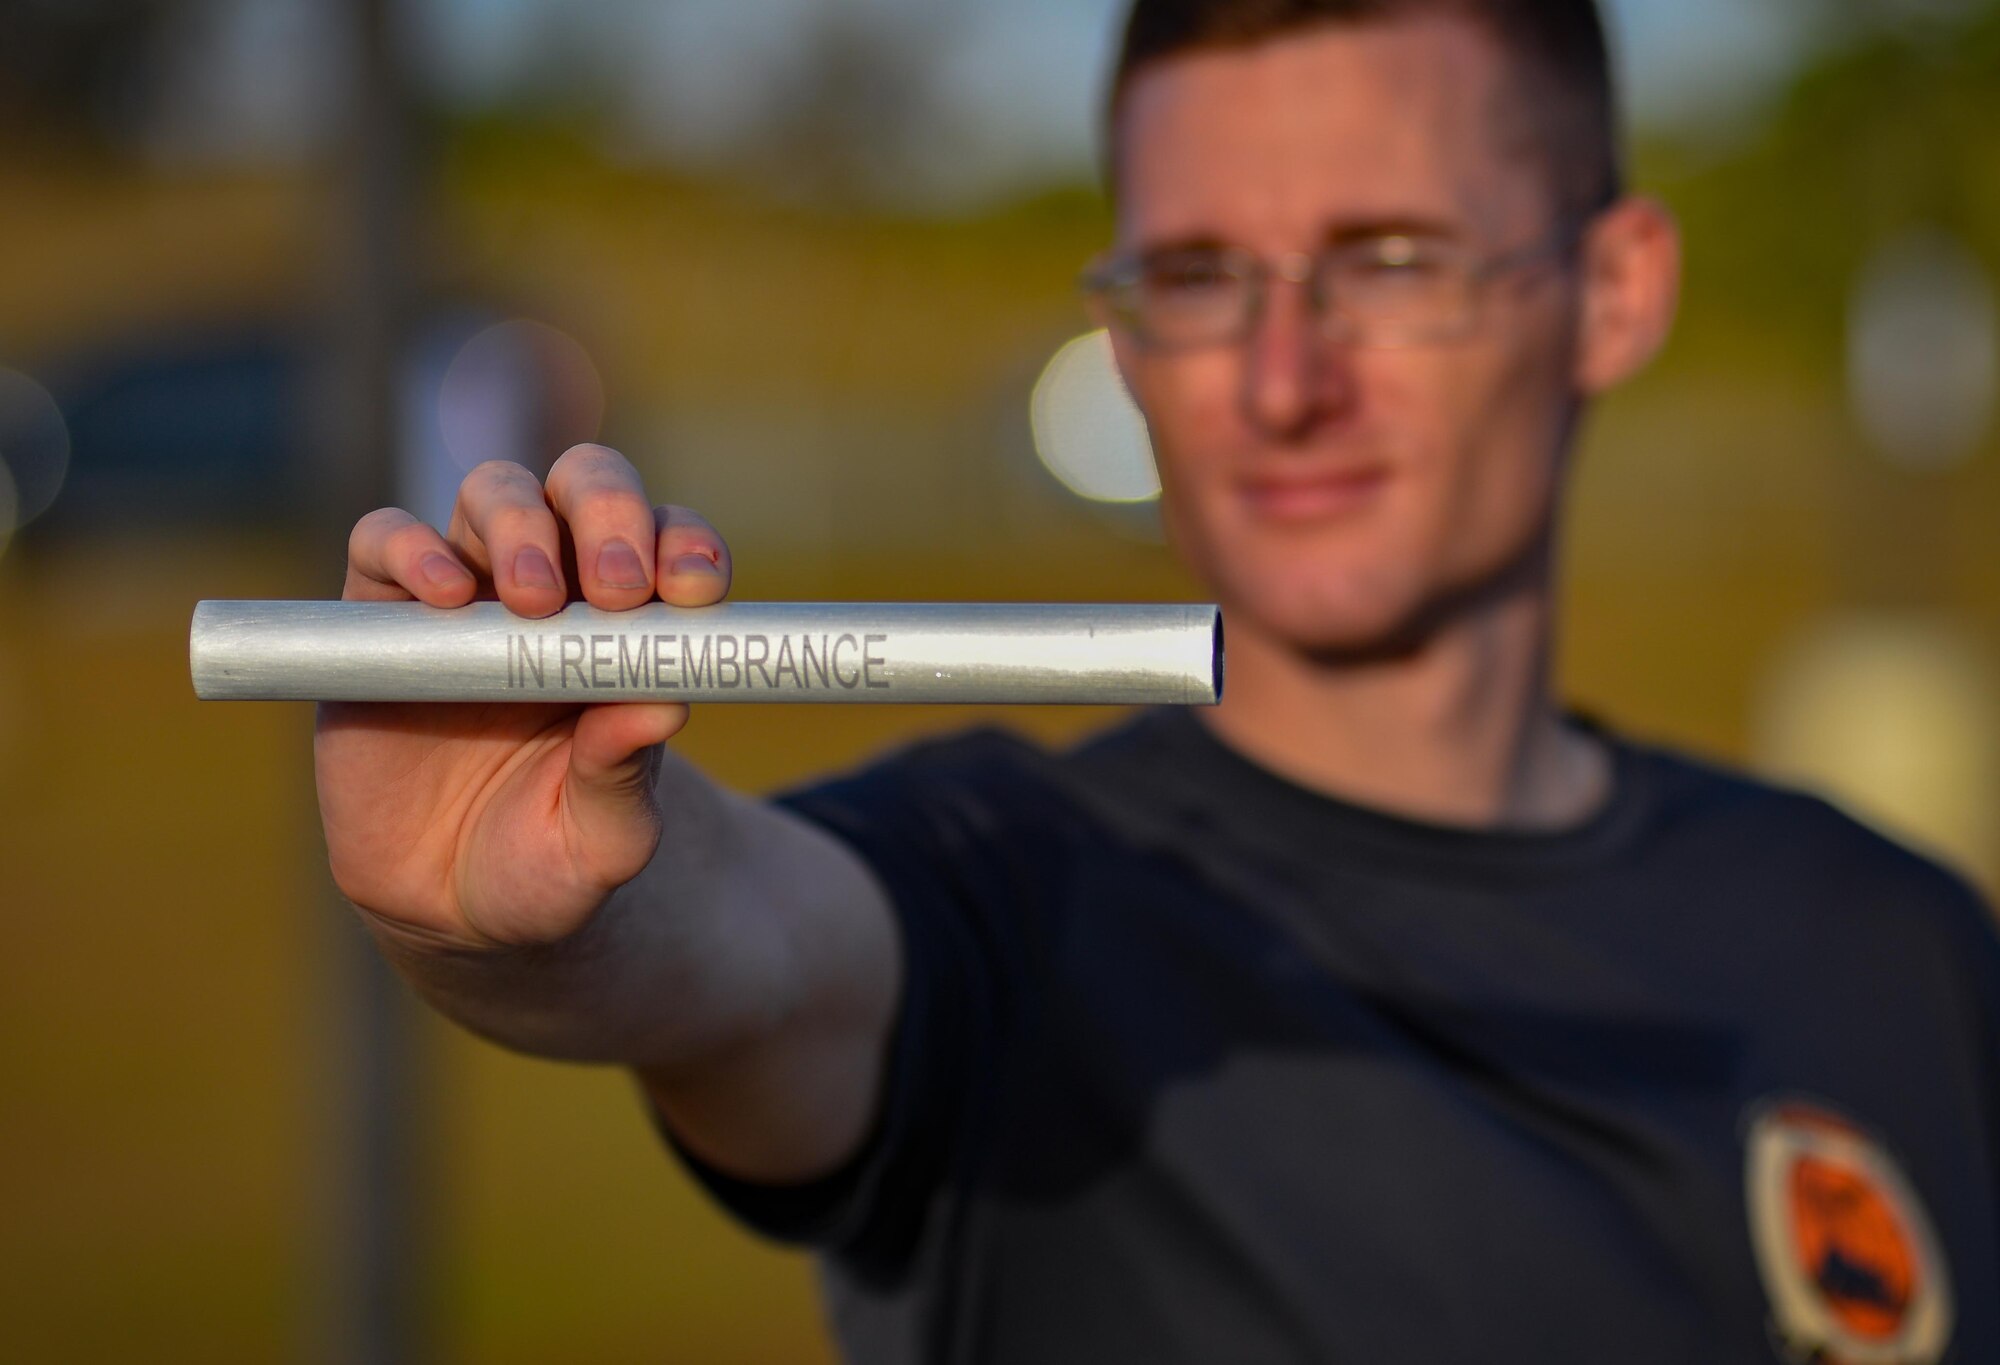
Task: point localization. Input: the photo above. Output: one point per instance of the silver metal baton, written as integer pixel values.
(739, 651)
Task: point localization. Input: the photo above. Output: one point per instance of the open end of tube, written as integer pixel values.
(1218, 654)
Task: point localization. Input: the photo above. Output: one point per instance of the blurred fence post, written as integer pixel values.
(375, 1307)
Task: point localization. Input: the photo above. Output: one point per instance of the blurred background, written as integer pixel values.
(266, 263)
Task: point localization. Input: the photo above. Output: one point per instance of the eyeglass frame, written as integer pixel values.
(1103, 276)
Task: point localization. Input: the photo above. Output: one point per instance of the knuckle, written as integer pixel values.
(497, 479)
(591, 455)
(687, 531)
(497, 472)
(673, 517)
(585, 460)
(375, 526)
(514, 521)
(408, 540)
(606, 503)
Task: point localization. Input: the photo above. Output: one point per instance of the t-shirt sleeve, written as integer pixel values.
(955, 832)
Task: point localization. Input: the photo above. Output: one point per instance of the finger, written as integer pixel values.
(503, 526)
(393, 557)
(601, 498)
(614, 758)
(693, 568)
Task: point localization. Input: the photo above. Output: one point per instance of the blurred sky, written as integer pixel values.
(1011, 85)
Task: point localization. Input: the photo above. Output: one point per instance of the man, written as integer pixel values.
(1384, 1013)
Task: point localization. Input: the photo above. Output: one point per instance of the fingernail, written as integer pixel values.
(696, 564)
(441, 571)
(618, 566)
(533, 570)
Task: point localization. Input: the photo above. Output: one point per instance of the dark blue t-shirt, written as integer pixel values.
(1196, 1065)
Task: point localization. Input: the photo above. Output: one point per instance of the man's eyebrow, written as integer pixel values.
(1195, 241)
(1336, 234)
(1399, 225)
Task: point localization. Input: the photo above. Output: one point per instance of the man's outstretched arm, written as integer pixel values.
(551, 878)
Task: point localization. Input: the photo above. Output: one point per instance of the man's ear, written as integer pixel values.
(1631, 284)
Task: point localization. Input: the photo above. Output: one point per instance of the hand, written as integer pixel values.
(483, 826)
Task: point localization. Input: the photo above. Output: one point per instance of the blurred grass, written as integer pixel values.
(153, 996)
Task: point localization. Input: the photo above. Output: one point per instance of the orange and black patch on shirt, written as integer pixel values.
(1849, 1260)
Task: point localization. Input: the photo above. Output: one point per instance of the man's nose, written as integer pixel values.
(1294, 375)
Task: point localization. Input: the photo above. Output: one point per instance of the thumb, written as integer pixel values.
(614, 757)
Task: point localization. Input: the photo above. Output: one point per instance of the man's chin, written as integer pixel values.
(1348, 635)
(1377, 612)
(1353, 647)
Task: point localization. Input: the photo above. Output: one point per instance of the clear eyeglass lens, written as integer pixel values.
(1190, 297)
(1390, 290)
(1401, 287)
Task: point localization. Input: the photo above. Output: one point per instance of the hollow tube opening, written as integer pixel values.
(1218, 654)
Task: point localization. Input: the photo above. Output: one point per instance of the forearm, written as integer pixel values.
(749, 975)
(679, 961)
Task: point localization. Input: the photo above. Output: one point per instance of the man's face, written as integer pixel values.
(1342, 496)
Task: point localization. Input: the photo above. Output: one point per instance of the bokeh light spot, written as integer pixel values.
(1892, 716)
(1923, 347)
(1088, 432)
(519, 390)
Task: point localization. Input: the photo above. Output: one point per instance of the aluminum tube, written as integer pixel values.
(845, 652)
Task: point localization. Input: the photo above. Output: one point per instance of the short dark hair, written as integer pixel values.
(1557, 48)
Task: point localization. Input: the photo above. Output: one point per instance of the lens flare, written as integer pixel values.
(519, 390)
(1088, 433)
(34, 452)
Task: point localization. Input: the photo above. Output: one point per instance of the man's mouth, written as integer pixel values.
(1295, 497)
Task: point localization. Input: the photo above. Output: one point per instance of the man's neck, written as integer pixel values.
(1460, 730)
